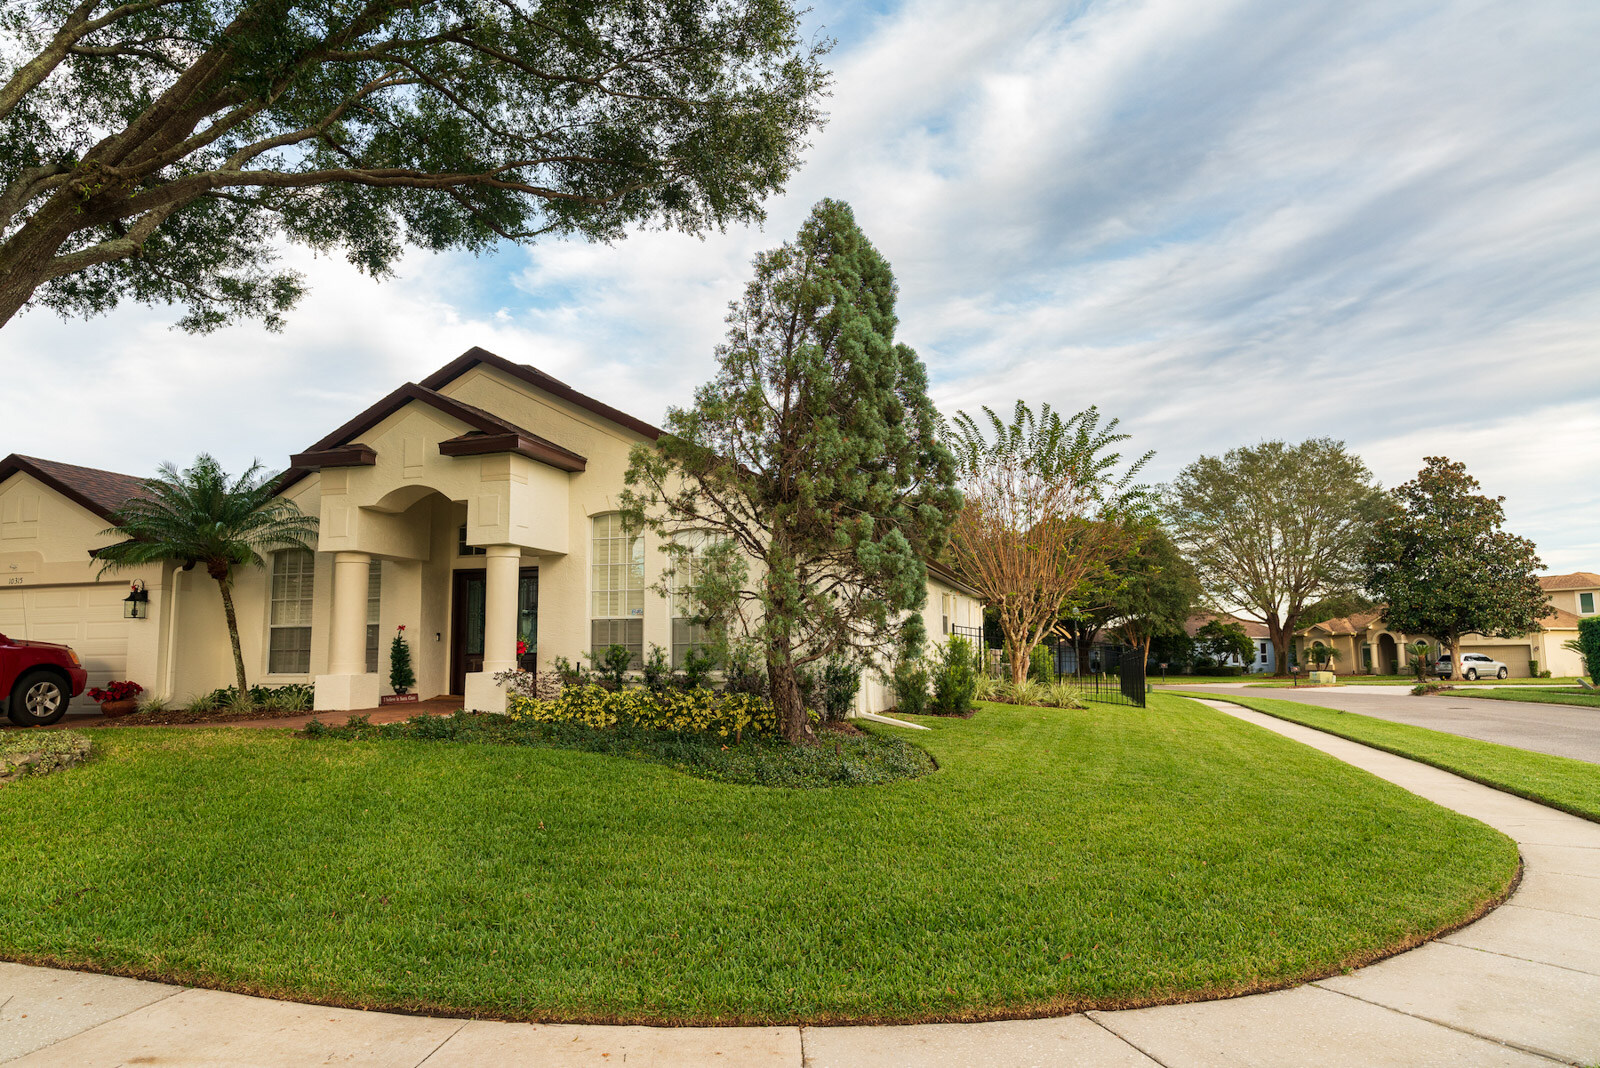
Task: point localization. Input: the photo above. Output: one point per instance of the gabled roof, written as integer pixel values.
(1578, 580)
(101, 492)
(1256, 631)
(536, 378)
(1352, 624)
(489, 433)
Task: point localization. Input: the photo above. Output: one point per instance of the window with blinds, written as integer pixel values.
(374, 596)
(686, 633)
(289, 622)
(616, 588)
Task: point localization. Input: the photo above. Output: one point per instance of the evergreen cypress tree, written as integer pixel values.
(401, 676)
(814, 452)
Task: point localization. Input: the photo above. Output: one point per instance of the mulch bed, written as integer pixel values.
(174, 716)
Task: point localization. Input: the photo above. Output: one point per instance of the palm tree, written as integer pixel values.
(200, 516)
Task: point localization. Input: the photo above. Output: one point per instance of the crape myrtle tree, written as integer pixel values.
(1443, 566)
(160, 150)
(811, 464)
(200, 516)
(1045, 500)
(1274, 528)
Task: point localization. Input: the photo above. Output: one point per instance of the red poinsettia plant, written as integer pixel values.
(115, 691)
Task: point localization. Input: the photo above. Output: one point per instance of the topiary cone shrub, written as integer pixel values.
(401, 674)
(1589, 646)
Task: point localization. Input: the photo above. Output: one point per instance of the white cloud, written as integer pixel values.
(1223, 222)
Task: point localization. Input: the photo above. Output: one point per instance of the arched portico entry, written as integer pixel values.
(1388, 655)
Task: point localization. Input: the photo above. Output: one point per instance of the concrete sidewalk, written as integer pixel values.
(1559, 730)
(1519, 987)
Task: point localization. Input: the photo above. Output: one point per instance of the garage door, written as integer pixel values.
(1514, 657)
(88, 618)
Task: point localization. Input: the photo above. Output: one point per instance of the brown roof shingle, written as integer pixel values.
(101, 492)
(1578, 580)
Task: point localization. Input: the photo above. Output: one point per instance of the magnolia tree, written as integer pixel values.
(1443, 566)
(1044, 499)
(813, 455)
(1275, 528)
(162, 150)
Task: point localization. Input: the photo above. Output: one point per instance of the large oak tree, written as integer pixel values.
(814, 454)
(1443, 566)
(1274, 528)
(160, 150)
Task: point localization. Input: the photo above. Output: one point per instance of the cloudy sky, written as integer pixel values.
(1220, 220)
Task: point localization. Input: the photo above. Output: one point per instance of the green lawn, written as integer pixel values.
(1570, 785)
(1056, 860)
(1558, 696)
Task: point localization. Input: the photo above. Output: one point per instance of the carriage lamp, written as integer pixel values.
(137, 604)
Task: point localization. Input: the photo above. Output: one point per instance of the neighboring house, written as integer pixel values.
(1265, 659)
(477, 507)
(1366, 646)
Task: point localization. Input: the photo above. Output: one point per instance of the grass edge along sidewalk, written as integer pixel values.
(1057, 860)
(1561, 782)
(1572, 698)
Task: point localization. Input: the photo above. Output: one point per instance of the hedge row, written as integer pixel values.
(697, 711)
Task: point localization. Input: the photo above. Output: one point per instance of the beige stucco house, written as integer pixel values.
(477, 508)
(1365, 645)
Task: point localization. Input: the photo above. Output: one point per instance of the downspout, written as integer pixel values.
(172, 635)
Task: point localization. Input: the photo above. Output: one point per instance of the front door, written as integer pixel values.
(466, 623)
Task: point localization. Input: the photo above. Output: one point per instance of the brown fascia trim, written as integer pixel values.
(353, 455)
(477, 444)
(540, 381)
(13, 464)
(949, 578)
(476, 418)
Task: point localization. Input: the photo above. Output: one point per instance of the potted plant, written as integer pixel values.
(401, 675)
(117, 698)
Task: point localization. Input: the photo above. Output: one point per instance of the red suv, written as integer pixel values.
(38, 680)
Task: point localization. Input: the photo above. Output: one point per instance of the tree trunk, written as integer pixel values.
(1455, 656)
(225, 582)
(1278, 635)
(785, 689)
(1018, 651)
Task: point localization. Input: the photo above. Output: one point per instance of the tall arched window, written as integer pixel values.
(616, 588)
(289, 623)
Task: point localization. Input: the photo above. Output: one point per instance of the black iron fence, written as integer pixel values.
(1110, 674)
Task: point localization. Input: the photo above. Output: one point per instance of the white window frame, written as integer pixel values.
(1582, 611)
(697, 542)
(616, 586)
(280, 624)
(374, 607)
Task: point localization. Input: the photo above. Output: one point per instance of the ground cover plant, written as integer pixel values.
(1560, 782)
(224, 705)
(24, 753)
(842, 756)
(1057, 859)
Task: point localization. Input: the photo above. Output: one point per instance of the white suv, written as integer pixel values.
(1473, 666)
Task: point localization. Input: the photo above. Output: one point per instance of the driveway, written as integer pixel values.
(1560, 730)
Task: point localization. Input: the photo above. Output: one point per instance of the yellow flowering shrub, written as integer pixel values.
(697, 711)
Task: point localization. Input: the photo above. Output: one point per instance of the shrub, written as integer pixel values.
(911, 686)
(657, 669)
(1428, 689)
(688, 711)
(955, 684)
(401, 675)
(840, 682)
(612, 665)
(569, 673)
(746, 673)
(698, 664)
(1589, 646)
(544, 685)
(1042, 664)
(1062, 695)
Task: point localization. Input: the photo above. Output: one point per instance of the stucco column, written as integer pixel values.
(502, 569)
(347, 638)
(348, 684)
